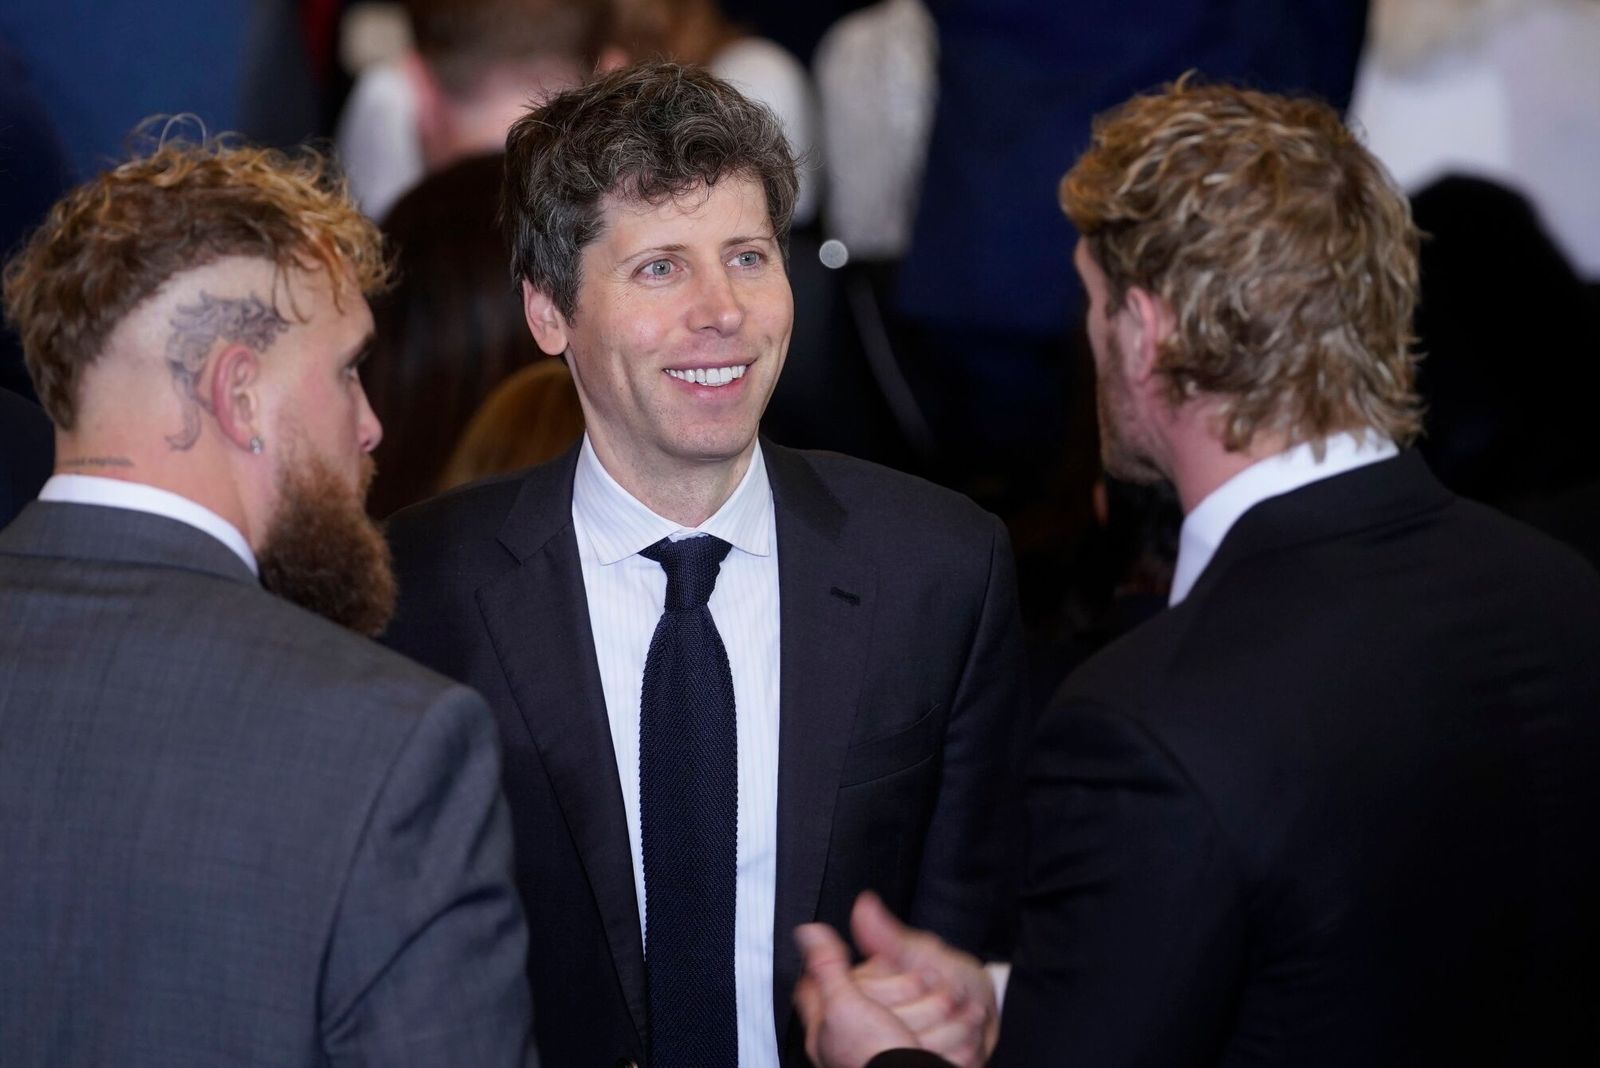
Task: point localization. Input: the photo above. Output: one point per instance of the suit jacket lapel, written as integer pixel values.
(826, 606)
(537, 617)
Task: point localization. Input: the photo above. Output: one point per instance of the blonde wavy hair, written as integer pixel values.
(1285, 251)
(114, 241)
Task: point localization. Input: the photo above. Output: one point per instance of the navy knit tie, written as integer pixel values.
(689, 815)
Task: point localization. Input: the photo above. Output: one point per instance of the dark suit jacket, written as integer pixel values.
(27, 452)
(899, 697)
(1336, 808)
(233, 833)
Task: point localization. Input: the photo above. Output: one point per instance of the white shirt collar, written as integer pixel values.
(138, 497)
(616, 525)
(1206, 526)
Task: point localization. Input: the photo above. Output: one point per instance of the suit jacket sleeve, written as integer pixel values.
(908, 1058)
(969, 867)
(425, 962)
(1130, 944)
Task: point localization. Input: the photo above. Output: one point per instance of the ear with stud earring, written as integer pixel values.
(256, 445)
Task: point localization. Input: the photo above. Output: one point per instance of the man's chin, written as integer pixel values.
(1126, 466)
(324, 554)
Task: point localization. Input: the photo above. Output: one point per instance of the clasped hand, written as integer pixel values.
(911, 991)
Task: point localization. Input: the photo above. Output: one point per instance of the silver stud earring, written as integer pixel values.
(255, 445)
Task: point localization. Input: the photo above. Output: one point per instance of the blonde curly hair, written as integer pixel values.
(111, 243)
(1285, 251)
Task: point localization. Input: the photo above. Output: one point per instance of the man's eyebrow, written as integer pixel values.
(747, 239)
(363, 349)
(650, 250)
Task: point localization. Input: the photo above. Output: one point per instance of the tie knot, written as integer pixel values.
(691, 566)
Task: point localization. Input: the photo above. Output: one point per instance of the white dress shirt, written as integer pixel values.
(1206, 526)
(138, 497)
(627, 594)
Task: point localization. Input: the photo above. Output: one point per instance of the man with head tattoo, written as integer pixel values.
(234, 831)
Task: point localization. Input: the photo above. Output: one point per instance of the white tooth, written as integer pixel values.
(738, 372)
(700, 375)
(724, 375)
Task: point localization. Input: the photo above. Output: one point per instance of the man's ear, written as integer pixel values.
(545, 321)
(1145, 324)
(235, 394)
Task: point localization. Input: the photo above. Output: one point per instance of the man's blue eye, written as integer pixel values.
(658, 268)
(748, 259)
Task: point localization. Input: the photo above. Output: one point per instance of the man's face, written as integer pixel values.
(1124, 450)
(681, 325)
(321, 551)
(320, 396)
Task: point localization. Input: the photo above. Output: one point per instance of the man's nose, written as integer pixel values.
(717, 306)
(369, 431)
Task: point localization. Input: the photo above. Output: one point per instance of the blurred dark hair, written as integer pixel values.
(531, 417)
(463, 40)
(449, 332)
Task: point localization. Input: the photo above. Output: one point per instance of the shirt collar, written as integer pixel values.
(1209, 522)
(616, 525)
(138, 497)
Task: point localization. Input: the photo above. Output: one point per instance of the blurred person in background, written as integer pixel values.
(1018, 81)
(448, 332)
(473, 67)
(1506, 91)
(531, 417)
(27, 451)
(451, 329)
(1488, 114)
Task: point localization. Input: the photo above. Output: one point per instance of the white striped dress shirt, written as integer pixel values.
(626, 594)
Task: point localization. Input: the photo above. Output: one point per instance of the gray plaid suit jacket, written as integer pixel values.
(232, 833)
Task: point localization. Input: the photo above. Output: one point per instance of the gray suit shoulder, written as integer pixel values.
(325, 670)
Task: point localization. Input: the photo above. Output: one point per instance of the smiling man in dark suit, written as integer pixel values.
(234, 832)
(820, 655)
(1336, 805)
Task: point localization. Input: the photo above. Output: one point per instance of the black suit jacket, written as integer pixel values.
(1335, 808)
(900, 697)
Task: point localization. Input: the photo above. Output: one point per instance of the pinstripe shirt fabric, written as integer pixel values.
(626, 594)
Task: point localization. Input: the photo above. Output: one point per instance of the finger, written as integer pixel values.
(875, 928)
(808, 1001)
(930, 1011)
(874, 967)
(955, 1042)
(892, 990)
(827, 958)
